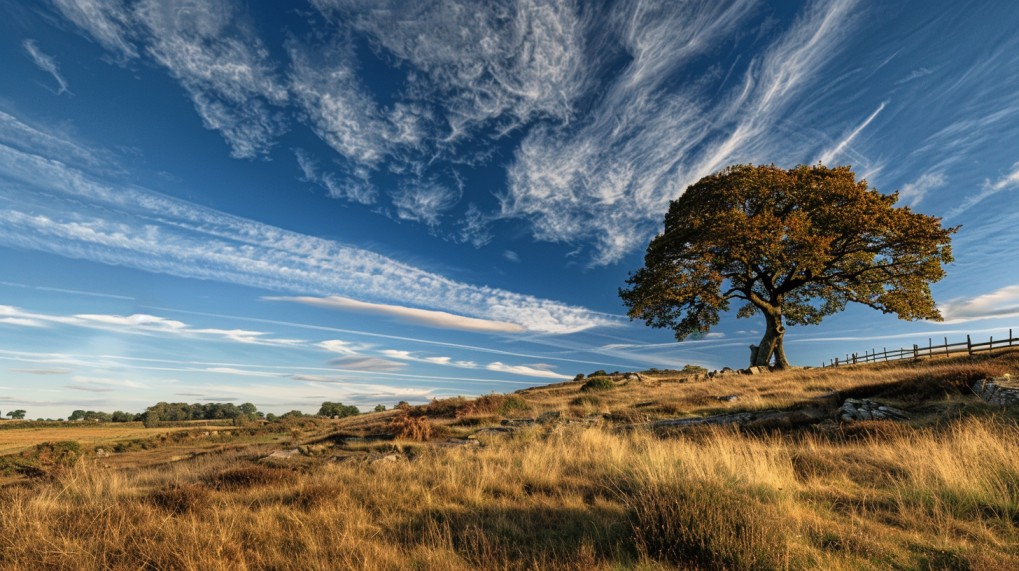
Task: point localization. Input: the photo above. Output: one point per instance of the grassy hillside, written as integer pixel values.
(561, 477)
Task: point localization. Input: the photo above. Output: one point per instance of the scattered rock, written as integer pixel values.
(101, 453)
(549, 417)
(519, 422)
(284, 454)
(755, 419)
(728, 398)
(862, 409)
(997, 391)
(494, 431)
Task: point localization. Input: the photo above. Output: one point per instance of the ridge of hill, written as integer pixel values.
(609, 472)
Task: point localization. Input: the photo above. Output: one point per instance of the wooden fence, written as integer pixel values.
(921, 352)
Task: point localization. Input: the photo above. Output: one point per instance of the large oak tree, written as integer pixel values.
(794, 245)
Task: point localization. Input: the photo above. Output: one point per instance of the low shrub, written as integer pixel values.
(179, 498)
(63, 453)
(598, 384)
(407, 427)
(246, 477)
(705, 525)
(448, 407)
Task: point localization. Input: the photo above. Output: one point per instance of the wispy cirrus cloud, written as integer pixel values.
(1003, 302)
(433, 360)
(355, 186)
(108, 22)
(613, 175)
(479, 62)
(360, 363)
(427, 317)
(423, 200)
(46, 63)
(209, 49)
(55, 208)
(1007, 181)
(139, 323)
(535, 370)
(912, 193)
(41, 371)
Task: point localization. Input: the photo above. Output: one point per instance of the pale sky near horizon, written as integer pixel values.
(374, 201)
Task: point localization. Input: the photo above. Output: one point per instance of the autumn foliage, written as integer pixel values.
(794, 245)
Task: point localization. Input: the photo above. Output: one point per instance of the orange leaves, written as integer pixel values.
(803, 241)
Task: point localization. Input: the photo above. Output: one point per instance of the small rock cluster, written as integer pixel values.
(727, 372)
(750, 419)
(993, 391)
(861, 409)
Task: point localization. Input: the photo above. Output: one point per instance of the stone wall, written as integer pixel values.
(999, 390)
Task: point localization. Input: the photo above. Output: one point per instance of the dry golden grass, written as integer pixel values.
(941, 492)
(20, 438)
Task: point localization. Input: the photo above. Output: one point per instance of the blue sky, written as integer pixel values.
(287, 203)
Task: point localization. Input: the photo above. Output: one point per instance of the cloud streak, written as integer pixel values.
(1001, 303)
(430, 318)
(647, 139)
(46, 63)
(61, 210)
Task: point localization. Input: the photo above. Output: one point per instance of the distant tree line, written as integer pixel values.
(15, 414)
(182, 411)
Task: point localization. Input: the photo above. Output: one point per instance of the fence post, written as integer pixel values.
(836, 361)
(916, 355)
(990, 346)
(969, 345)
(930, 347)
(946, 346)
(884, 351)
(1009, 337)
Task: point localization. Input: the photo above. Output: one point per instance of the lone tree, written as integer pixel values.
(795, 245)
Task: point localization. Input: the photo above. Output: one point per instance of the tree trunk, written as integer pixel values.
(771, 343)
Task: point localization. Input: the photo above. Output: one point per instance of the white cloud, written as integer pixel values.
(340, 111)
(913, 192)
(106, 381)
(54, 208)
(139, 323)
(208, 49)
(828, 156)
(427, 317)
(538, 370)
(106, 21)
(479, 61)
(990, 188)
(130, 226)
(511, 256)
(241, 372)
(435, 360)
(475, 228)
(46, 63)
(367, 364)
(424, 200)
(342, 347)
(221, 64)
(997, 304)
(355, 186)
(647, 139)
(41, 371)
(22, 322)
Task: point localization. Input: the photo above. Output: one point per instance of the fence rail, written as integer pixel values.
(922, 352)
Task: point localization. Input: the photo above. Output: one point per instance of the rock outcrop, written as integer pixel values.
(998, 391)
(862, 409)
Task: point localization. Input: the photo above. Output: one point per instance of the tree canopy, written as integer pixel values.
(795, 245)
(337, 410)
